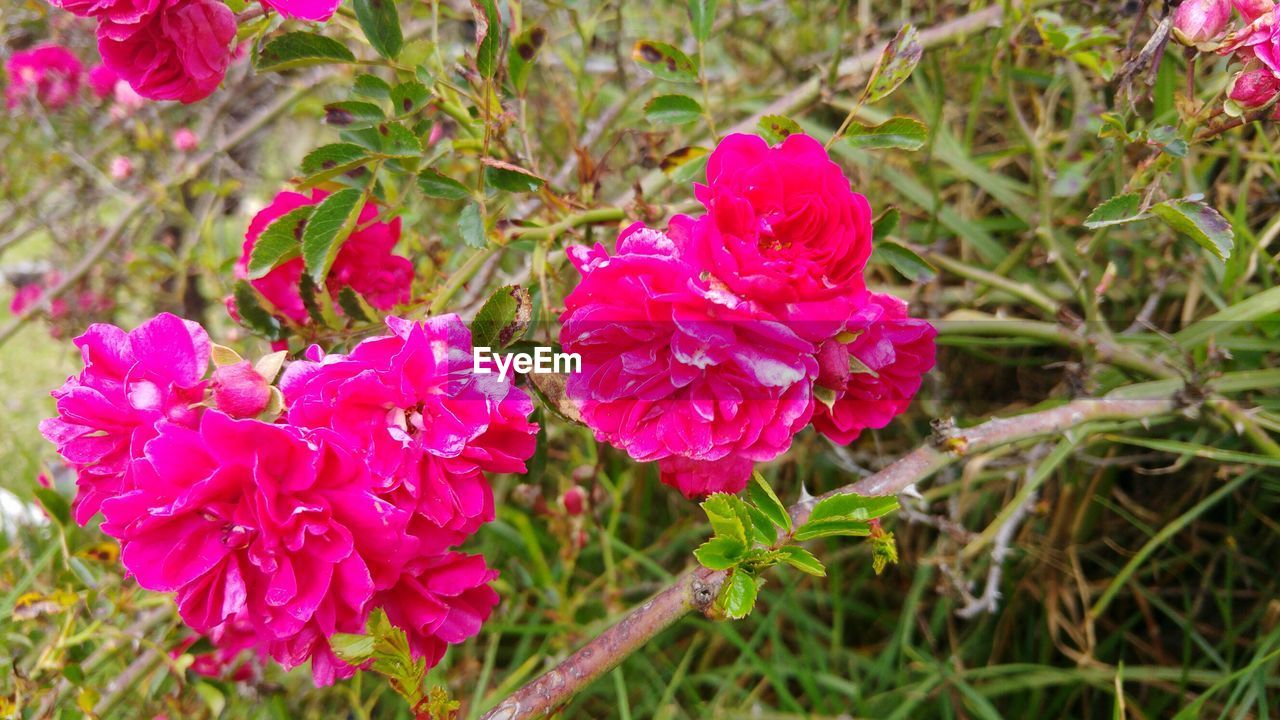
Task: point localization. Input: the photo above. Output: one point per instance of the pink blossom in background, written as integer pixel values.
(428, 427)
(121, 167)
(366, 263)
(102, 80)
(871, 378)
(312, 10)
(239, 391)
(782, 229)
(49, 73)
(184, 140)
(1196, 22)
(440, 600)
(109, 410)
(178, 52)
(674, 368)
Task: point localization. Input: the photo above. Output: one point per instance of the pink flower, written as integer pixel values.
(178, 52)
(870, 378)
(1197, 22)
(1259, 41)
(313, 10)
(783, 229)
(239, 391)
(675, 368)
(49, 73)
(130, 382)
(267, 523)
(428, 427)
(366, 263)
(25, 297)
(1253, 89)
(184, 140)
(440, 600)
(700, 478)
(118, 12)
(102, 80)
(121, 167)
(1251, 10)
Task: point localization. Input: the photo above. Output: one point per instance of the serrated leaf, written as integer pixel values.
(776, 128)
(762, 527)
(738, 596)
(802, 560)
(354, 306)
(524, 51)
(351, 648)
(409, 96)
(353, 113)
(503, 318)
(280, 242)
(336, 158)
(312, 302)
(901, 133)
(488, 36)
(54, 504)
(471, 226)
(300, 49)
(724, 518)
(399, 141)
(371, 86)
(381, 25)
(702, 16)
(1116, 211)
(905, 260)
(512, 178)
(767, 501)
(252, 314)
(884, 225)
(895, 65)
(720, 553)
(433, 184)
(665, 62)
(853, 507)
(672, 110)
(1199, 222)
(330, 225)
(827, 528)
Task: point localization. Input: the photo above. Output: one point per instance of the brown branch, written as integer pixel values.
(696, 589)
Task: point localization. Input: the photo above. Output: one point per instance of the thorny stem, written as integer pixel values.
(697, 589)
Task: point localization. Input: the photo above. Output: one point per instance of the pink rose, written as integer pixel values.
(1253, 89)
(179, 52)
(440, 600)
(48, 73)
(118, 12)
(1197, 22)
(102, 80)
(366, 262)
(184, 140)
(312, 10)
(1251, 10)
(782, 229)
(121, 167)
(1259, 41)
(239, 391)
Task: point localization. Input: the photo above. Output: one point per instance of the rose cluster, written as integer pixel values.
(282, 515)
(1255, 44)
(706, 347)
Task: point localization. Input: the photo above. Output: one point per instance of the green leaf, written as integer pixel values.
(351, 648)
(1200, 222)
(330, 225)
(702, 15)
(279, 242)
(765, 499)
(686, 164)
(884, 552)
(252, 314)
(488, 36)
(353, 113)
(433, 184)
(738, 596)
(399, 141)
(55, 504)
(471, 226)
(503, 318)
(776, 128)
(901, 133)
(664, 61)
(300, 49)
(802, 560)
(905, 260)
(381, 25)
(354, 306)
(895, 65)
(827, 528)
(371, 86)
(724, 518)
(512, 178)
(525, 50)
(335, 157)
(882, 226)
(720, 553)
(853, 507)
(409, 96)
(1116, 211)
(762, 526)
(672, 110)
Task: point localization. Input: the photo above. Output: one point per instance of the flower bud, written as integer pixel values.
(1251, 10)
(833, 365)
(121, 167)
(1200, 21)
(184, 140)
(1254, 89)
(239, 391)
(574, 500)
